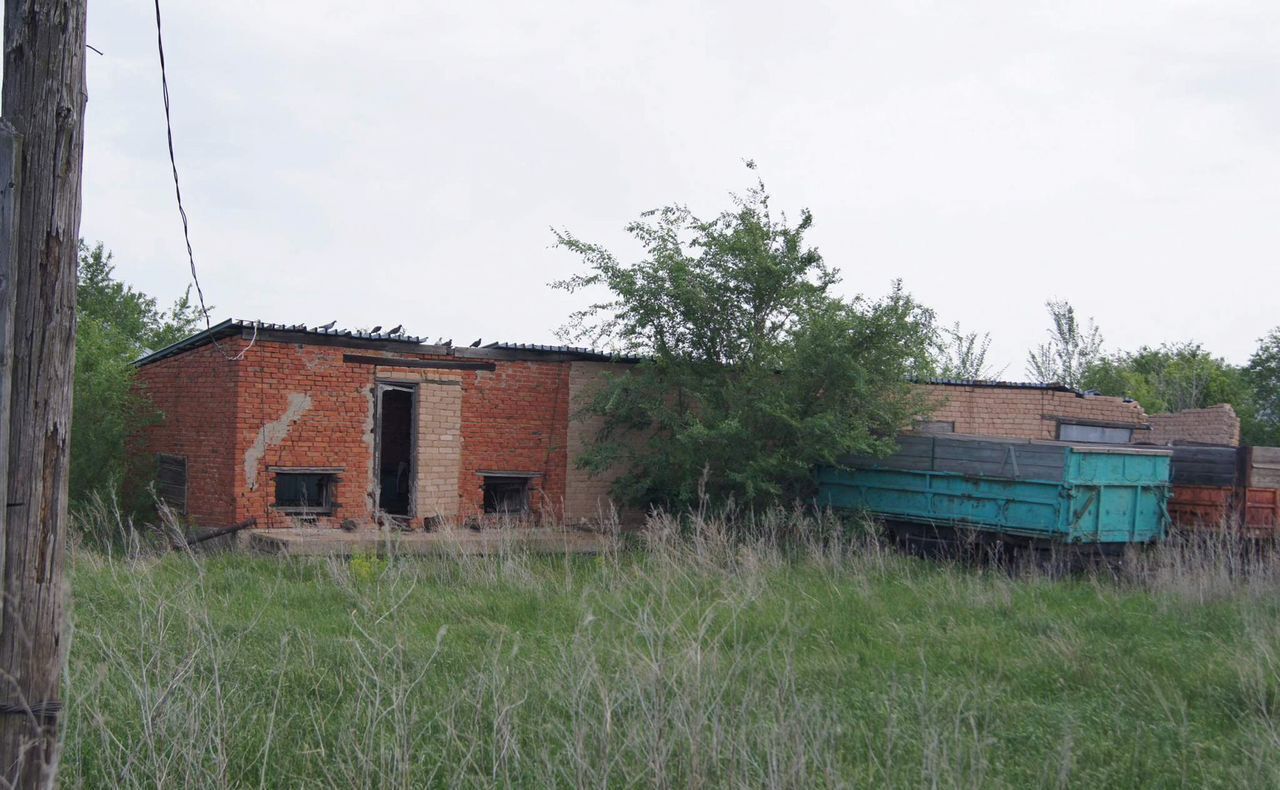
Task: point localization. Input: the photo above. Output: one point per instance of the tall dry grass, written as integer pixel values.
(662, 677)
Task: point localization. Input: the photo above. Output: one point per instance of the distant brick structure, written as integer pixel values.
(1215, 425)
(1025, 411)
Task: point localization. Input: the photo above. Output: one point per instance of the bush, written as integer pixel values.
(751, 371)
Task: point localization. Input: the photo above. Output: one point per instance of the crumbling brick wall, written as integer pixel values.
(1214, 425)
(1025, 412)
(302, 406)
(296, 405)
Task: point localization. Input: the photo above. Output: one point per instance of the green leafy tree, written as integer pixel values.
(1263, 374)
(1070, 350)
(1173, 377)
(115, 325)
(751, 371)
(960, 355)
(1177, 376)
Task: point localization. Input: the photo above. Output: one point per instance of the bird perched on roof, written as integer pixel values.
(327, 327)
(376, 329)
(399, 330)
(477, 343)
(448, 344)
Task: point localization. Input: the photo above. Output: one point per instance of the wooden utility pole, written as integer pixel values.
(43, 100)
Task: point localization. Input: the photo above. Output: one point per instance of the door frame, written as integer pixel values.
(380, 387)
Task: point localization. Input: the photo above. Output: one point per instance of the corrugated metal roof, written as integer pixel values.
(541, 347)
(1023, 385)
(234, 326)
(301, 332)
(580, 351)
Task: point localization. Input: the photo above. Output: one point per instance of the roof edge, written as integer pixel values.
(327, 336)
(1052, 386)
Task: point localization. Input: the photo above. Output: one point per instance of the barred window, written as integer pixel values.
(171, 481)
(305, 493)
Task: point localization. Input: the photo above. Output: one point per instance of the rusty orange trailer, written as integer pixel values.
(1262, 511)
(1197, 507)
(1227, 487)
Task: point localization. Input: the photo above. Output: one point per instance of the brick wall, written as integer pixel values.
(1025, 413)
(302, 406)
(1214, 425)
(514, 420)
(293, 405)
(588, 496)
(195, 395)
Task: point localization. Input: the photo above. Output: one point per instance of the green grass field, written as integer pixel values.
(694, 661)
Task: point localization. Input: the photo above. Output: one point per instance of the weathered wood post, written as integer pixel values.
(43, 100)
(10, 159)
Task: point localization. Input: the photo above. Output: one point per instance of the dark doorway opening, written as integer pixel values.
(395, 449)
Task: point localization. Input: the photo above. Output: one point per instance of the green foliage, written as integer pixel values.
(1179, 376)
(962, 356)
(1173, 377)
(1071, 348)
(366, 568)
(114, 326)
(1263, 374)
(751, 371)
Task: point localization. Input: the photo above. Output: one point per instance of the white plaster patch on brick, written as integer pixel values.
(272, 434)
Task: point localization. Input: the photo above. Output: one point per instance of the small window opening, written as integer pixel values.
(305, 493)
(506, 495)
(1095, 434)
(171, 481)
(935, 426)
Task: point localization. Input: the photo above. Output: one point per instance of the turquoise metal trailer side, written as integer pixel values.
(1060, 492)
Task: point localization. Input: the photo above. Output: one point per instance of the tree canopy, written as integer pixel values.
(1263, 375)
(1173, 377)
(751, 370)
(115, 325)
(1177, 376)
(1071, 348)
(961, 356)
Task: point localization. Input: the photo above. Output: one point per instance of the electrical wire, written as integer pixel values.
(177, 190)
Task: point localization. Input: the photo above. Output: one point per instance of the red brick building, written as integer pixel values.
(292, 425)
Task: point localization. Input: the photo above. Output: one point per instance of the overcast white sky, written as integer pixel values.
(402, 161)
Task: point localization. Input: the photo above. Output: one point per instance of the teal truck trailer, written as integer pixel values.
(1029, 491)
